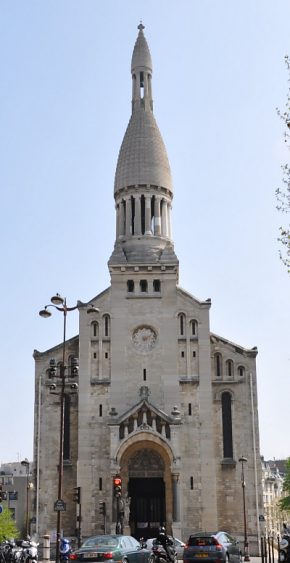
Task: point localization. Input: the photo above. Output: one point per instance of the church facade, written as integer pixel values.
(162, 402)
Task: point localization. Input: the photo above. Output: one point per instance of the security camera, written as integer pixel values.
(52, 387)
(74, 386)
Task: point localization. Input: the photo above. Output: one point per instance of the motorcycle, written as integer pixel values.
(284, 548)
(64, 549)
(160, 555)
(29, 551)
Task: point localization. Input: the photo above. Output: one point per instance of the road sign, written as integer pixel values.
(59, 505)
(1, 508)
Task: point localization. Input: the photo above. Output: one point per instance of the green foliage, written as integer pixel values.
(283, 194)
(284, 503)
(7, 525)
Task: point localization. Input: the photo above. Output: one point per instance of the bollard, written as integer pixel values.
(262, 550)
(46, 548)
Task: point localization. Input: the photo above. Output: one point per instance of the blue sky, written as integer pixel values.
(65, 95)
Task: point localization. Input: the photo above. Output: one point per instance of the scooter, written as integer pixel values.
(30, 552)
(160, 554)
(64, 549)
(284, 550)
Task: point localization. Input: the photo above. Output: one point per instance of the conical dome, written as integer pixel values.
(142, 158)
(141, 54)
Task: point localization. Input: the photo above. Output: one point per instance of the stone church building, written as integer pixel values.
(162, 402)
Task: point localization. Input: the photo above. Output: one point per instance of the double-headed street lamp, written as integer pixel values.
(25, 462)
(243, 460)
(59, 303)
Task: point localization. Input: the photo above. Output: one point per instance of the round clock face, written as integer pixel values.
(144, 338)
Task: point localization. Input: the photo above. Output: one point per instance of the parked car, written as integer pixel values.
(178, 545)
(112, 548)
(216, 546)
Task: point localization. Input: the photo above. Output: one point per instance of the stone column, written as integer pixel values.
(169, 221)
(100, 357)
(164, 219)
(176, 498)
(128, 216)
(157, 216)
(137, 230)
(148, 215)
(117, 220)
(121, 219)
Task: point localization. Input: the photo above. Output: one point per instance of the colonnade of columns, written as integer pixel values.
(143, 215)
(144, 421)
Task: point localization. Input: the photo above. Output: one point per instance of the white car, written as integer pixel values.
(178, 544)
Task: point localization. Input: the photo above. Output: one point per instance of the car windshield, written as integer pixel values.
(201, 541)
(101, 541)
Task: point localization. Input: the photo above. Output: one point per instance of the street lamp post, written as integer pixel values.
(243, 460)
(25, 462)
(59, 303)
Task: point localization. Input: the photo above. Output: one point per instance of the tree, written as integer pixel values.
(284, 503)
(283, 194)
(8, 527)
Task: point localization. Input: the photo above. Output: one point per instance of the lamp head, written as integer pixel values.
(44, 313)
(243, 459)
(92, 309)
(57, 299)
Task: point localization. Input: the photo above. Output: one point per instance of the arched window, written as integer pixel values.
(95, 329)
(230, 368)
(241, 371)
(143, 286)
(130, 286)
(193, 328)
(218, 365)
(156, 285)
(227, 425)
(106, 325)
(181, 318)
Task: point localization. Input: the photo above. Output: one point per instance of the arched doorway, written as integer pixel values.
(146, 490)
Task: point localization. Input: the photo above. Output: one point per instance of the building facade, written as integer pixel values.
(272, 483)
(162, 402)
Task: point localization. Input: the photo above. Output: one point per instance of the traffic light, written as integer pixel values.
(102, 507)
(77, 495)
(117, 487)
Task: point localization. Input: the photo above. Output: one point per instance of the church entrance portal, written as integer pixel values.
(147, 508)
(146, 470)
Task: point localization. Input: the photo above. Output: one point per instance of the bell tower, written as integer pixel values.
(143, 189)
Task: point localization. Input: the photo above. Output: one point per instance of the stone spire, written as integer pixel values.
(143, 186)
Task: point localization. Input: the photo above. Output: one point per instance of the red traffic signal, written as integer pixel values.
(117, 486)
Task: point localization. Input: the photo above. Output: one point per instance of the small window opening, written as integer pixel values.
(194, 354)
(141, 84)
(95, 355)
(230, 368)
(191, 483)
(182, 353)
(193, 328)
(106, 318)
(100, 410)
(130, 286)
(100, 484)
(95, 328)
(218, 365)
(106, 355)
(181, 325)
(241, 371)
(144, 374)
(189, 409)
(156, 285)
(143, 286)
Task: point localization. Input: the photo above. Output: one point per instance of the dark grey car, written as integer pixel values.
(215, 546)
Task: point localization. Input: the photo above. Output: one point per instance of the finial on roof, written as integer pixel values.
(141, 26)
